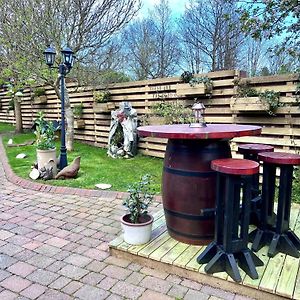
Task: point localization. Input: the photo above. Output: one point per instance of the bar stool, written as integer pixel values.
(273, 229)
(250, 151)
(230, 243)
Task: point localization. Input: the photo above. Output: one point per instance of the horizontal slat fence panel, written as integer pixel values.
(281, 130)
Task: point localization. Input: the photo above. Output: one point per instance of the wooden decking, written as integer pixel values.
(279, 277)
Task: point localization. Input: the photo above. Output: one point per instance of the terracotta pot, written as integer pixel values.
(137, 234)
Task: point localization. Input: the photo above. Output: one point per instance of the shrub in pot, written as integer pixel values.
(137, 224)
(45, 146)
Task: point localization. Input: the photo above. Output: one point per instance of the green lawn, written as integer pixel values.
(96, 166)
(5, 127)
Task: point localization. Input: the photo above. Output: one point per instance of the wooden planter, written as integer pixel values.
(249, 104)
(103, 107)
(79, 124)
(11, 112)
(40, 99)
(186, 90)
(155, 120)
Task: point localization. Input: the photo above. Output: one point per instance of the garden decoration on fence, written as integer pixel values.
(122, 139)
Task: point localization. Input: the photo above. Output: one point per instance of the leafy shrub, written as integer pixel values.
(140, 197)
(173, 112)
(102, 96)
(45, 133)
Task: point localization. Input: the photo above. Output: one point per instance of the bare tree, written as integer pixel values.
(152, 45)
(27, 26)
(140, 49)
(167, 42)
(211, 34)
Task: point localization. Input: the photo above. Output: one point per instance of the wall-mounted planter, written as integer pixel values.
(186, 89)
(40, 99)
(79, 124)
(11, 112)
(249, 104)
(103, 107)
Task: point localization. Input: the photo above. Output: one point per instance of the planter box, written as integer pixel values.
(103, 107)
(79, 124)
(187, 90)
(11, 112)
(249, 104)
(154, 120)
(40, 99)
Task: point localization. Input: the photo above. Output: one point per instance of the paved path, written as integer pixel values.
(55, 246)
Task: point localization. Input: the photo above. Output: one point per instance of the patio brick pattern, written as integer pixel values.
(54, 245)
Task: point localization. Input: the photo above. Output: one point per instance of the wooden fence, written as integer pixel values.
(281, 130)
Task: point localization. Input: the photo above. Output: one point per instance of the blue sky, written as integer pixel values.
(177, 6)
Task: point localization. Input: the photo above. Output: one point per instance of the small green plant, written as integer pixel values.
(44, 132)
(244, 88)
(78, 110)
(39, 91)
(272, 98)
(102, 96)
(11, 105)
(140, 197)
(186, 76)
(297, 92)
(207, 82)
(174, 112)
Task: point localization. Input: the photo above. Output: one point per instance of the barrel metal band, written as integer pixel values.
(189, 173)
(192, 236)
(204, 214)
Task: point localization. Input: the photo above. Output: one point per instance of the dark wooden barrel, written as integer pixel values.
(188, 188)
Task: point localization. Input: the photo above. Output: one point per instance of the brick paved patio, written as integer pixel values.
(54, 245)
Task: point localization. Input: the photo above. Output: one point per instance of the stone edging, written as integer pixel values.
(41, 187)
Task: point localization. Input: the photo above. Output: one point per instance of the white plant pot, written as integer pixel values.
(47, 158)
(137, 234)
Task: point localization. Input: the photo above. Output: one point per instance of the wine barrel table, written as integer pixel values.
(188, 182)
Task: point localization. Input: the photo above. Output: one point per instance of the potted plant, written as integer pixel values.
(79, 123)
(39, 95)
(101, 102)
(249, 100)
(194, 86)
(45, 146)
(137, 224)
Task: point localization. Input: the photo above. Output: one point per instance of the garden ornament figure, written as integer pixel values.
(122, 139)
(198, 109)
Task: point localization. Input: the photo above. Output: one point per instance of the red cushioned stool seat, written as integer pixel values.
(254, 148)
(273, 229)
(235, 166)
(280, 158)
(232, 221)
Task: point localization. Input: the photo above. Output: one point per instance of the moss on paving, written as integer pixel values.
(96, 166)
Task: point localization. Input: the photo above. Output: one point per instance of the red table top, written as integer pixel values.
(212, 131)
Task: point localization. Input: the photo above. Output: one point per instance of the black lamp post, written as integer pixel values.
(64, 68)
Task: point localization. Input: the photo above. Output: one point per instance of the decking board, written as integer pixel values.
(279, 277)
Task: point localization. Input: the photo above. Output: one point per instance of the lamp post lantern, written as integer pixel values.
(63, 69)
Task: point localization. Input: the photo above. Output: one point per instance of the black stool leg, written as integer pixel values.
(246, 258)
(212, 249)
(224, 262)
(281, 241)
(261, 236)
